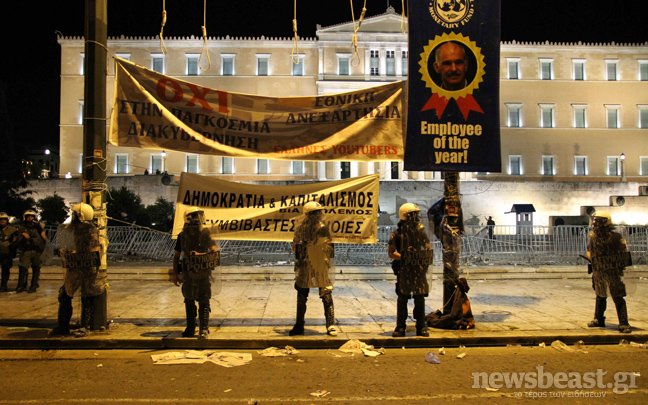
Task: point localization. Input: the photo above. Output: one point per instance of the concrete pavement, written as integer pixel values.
(257, 313)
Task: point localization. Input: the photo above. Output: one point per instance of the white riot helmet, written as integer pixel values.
(406, 209)
(312, 207)
(29, 212)
(83, 212)
(602, 218)
(194, 216)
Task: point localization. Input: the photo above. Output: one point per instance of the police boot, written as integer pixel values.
(64, 314)
(205, 309)
(599, 311)
(22, 279)
(419, 315)
(5, 280)
(35, 277)
(401, 318)
(622, 313)
(298, 329)
(449, 288)
(191, 312)
(87, 310)
(329, 314)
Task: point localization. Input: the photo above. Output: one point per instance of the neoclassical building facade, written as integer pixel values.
(570, 112)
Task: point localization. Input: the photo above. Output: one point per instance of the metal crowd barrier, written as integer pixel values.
(532, 245)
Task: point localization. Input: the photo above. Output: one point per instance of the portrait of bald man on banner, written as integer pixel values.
(451, 63)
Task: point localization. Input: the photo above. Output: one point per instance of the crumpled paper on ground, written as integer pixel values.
(224, 359)
(356, 346)
(276, 352)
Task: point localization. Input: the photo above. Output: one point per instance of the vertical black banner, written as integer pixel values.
(453, 101)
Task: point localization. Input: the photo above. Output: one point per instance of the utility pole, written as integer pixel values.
(93, 186)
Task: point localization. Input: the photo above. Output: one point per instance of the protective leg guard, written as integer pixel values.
(401, 317)
(5, 279)
(87, 309)
(419, 315)
(622, 313)
(329, 314)
(191, 312)
(298, 329)
(34, 282)
(449, 288)
(64, 313)
(204, 309)
(599, 312)
(22, 279)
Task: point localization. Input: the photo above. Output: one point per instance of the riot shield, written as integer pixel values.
(314, 254)
(611, 263)
(79, 250)
(415, 276)
(201, 264)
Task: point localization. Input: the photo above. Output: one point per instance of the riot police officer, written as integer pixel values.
(195, 258)
(8, 235)
(410, 238)
(32, 242)
(314, 254)
(80, 257)
(608, 253)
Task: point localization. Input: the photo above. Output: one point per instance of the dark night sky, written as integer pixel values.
(30, 69)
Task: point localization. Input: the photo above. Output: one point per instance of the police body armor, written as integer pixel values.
(314, 254)
(609, 257)
(79, 249)
(7, 234)
(416, 257)
(200, 264)
(35, 241)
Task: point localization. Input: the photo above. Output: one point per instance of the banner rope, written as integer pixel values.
(354, 39)
(138, 226)
(204, 49)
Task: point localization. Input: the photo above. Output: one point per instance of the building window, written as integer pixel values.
(613, 167)
(298, 68)
(579, 69)
(394, 171)
(80, 162)
(611, 71)
(612, 115)
(546, 115)
(643, 115)
(156, 164)
(82, 70)
(514, 115)
(374, 62)
(125, 56)
(580, 117)
(191, 163)
(343, 64)
(297, 167)
(513, 68)
(546, 69)
(515, 165)
(643, 69)
(81, 111)
(405, 63)
(390, 68)
(121, 163)
(192, 64)
(262, 166)
(263, 64)
(580, 165)
(227, 165)
(227, 64)
(157, 62)
(548, 166)
(345, 170)
(643, 165)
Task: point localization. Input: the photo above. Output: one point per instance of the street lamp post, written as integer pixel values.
(623, 176)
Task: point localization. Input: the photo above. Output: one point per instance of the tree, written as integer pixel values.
(159, 213)
(125, 205)
(52, 209)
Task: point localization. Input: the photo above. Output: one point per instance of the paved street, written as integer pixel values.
(257, 314)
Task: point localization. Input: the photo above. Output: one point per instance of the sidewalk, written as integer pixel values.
(252, 314)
